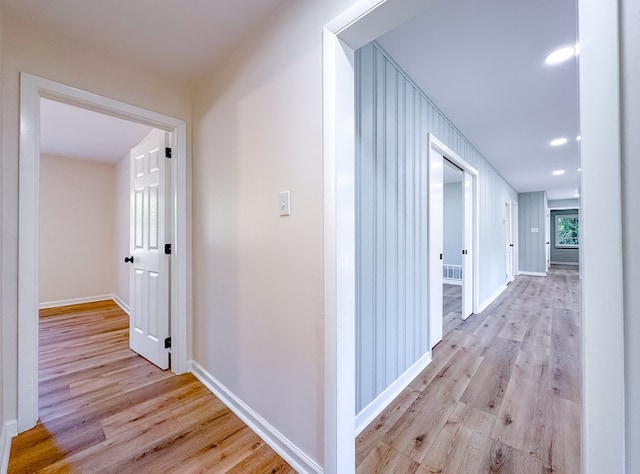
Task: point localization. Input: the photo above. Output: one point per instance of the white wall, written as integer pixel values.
(121, 220)
(43, 53)
(77, 211)
(630, 61)
(258, 277)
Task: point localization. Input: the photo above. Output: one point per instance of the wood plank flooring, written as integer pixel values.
(105, 409)
(501, 395)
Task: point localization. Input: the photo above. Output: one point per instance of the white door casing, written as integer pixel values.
(32, 88)
(436, 244)
(514, 239)
(149, 271)
(508, 227)
(547, 236)
(469, 251)
(437, 152)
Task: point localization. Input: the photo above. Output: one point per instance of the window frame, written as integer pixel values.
(559, 245)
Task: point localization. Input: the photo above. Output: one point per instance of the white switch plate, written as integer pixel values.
(285, 203)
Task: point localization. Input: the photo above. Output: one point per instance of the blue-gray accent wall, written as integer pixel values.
(394, 118)
(532, 232)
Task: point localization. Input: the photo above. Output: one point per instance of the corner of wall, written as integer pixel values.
(9, 430)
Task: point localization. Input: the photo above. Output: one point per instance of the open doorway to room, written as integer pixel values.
(33, 91)
(453, 234)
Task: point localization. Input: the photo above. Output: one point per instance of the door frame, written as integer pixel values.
(603, 380)
(437, 152)
(32, 89)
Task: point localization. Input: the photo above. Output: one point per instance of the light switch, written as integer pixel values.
(285, 203)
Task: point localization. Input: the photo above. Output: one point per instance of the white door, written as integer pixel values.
(467, 252)
(514, 238)
(436, 244)
(547, 233)
(508, 227)
(149, 274)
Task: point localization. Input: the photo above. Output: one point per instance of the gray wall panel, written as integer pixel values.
(394, 118)
(531, 216)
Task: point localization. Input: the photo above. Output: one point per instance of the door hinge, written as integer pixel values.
(167, 249)
(167, 343)
(167, 152)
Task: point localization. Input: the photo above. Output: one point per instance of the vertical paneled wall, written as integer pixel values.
(531, 232)
(394, 118)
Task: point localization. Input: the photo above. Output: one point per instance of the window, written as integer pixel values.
(567, 231)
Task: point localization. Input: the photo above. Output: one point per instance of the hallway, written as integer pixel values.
(502, 393)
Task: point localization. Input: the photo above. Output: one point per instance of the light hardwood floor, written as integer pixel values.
(502, 393)
(105, 409)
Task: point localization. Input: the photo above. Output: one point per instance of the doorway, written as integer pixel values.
(439, 154)
(453, 220)
(32, 90)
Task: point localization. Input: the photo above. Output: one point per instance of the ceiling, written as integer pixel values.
(73, 132)
(180, 39)
(482, 63)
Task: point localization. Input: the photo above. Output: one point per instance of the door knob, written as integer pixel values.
(128, 259)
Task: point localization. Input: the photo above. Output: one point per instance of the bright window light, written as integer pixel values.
(558, 172)
(558, 141)
(560, 55)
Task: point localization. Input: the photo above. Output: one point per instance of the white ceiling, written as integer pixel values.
(480, 61)
(73, 132)
(181, 39)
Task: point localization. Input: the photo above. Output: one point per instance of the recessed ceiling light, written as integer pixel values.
(560, 55)
(558, 141)
(579, 169)
(578, 138)
(558, 172)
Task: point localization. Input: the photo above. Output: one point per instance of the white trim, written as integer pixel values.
(88, 299)
(72, 301)
(438, 149)
(9, 430)
(124, 306)
(603, 325)
(451, 281)
(270, 435)
(382, 401)
(32, 89)
(565, 263)
(535, 274)
(564, 208)
(485, 304)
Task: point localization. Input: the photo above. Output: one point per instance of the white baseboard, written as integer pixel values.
(565, 263)
(9, 430)
(485, 304)
(88, 299)
(452, 282)
(382, 401)
(124, 306)
(535, 274)
(278, 442)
